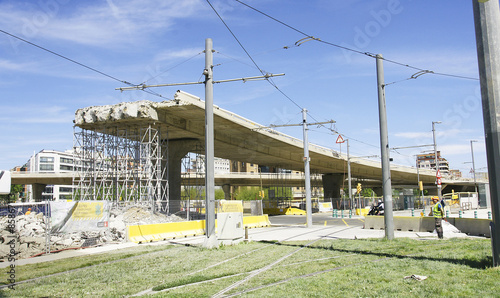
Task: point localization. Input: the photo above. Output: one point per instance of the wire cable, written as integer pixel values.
(76, 62)
(171, 68)
(250, 57)
(354, 50)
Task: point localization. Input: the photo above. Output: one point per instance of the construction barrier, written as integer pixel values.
(362, 211)
(172, 230)
(469, 226)
(325, 207)
(256, 221)
(284, 211)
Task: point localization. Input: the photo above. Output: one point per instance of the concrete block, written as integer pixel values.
(473, 226)
(407, 223)
(374, 222)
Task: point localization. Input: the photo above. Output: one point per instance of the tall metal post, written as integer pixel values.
(211, 240)
(473, 165)
(487, 24)
(384, 148)
(307, 183)
(436, 159)
(418, 179)
(349, 182)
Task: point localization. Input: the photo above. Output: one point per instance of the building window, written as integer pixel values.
(46, 167)
(49, 189)
(46, 159)
(66, 168)
(66, 160)
(65, 189)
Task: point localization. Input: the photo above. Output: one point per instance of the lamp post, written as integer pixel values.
(473, 164)
(438, 181)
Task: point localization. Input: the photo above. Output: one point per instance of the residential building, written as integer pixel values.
(428, 161)
(51, 161)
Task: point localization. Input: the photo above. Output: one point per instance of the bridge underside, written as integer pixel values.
(133, 151)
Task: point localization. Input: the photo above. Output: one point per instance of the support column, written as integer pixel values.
(37, 189)
(227, 191)
(332, 184)
(177, 149)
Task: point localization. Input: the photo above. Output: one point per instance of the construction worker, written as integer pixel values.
(438, 213)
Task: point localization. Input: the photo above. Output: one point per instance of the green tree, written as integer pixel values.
(11, 197)
(248, 193)
(367, 192)
(219, 194)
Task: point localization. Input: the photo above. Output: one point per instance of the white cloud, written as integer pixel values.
(179, 54)
(36, 115)
(107, 24)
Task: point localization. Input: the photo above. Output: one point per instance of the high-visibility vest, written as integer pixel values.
(436, 210)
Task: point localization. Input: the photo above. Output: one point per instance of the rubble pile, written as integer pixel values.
(30, 235)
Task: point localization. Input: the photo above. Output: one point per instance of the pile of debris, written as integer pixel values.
(31, 237)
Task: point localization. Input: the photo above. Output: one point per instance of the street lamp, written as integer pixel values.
(473, 164)
(438, 182)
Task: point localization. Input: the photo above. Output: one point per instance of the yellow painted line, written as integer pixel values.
(345, 222)
(325, 223)
(361, 220)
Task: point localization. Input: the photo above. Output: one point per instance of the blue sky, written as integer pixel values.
(162, 42)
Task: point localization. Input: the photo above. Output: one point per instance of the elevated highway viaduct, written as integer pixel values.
(41, 179)
(182, 123)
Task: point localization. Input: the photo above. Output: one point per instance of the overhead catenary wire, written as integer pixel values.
(76, 62)
(365, 53)
(250, 57)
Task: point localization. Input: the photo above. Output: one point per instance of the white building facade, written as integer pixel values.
(52, 161)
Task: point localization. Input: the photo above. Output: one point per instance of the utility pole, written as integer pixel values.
(473, 166)
(384, 148)
(487, 24)
(349, 183)
(307, 183)
(436, 160)
(211, 238)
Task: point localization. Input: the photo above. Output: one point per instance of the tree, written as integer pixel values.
(367, 193)
(11, 197)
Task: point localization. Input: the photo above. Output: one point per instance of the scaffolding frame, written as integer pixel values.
(122, 164)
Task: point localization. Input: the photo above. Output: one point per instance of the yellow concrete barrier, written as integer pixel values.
(362, 212)
(172, 230)
(157, 232)
(256, 221)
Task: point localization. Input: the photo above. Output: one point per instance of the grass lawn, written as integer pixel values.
(364, 267)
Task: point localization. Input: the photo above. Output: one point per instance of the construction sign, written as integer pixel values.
(340, 140)
(79, 216)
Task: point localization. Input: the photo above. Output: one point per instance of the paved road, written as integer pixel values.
(317, 219)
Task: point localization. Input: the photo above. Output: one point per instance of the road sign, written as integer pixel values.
(438, 174)
(438, 181)
(340, 140)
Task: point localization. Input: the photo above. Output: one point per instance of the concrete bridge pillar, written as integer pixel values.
(378, 191)
(176, 150)
(37, 189)
(227, 191)
(332, 184)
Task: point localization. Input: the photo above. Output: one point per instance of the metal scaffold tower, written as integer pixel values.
(122, 164)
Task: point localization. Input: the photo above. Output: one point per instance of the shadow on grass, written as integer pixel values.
(484, 263)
